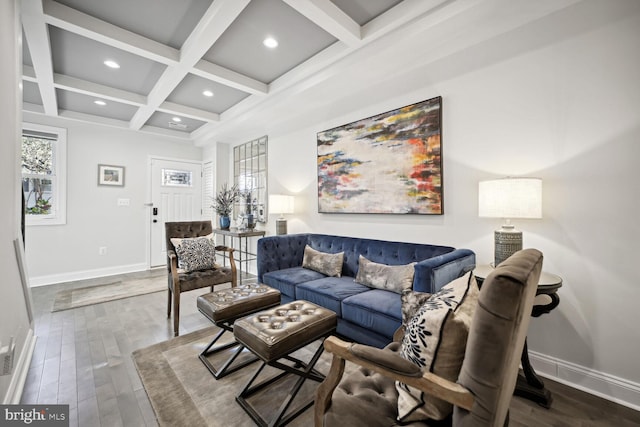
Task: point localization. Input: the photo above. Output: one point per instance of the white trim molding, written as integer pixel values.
(606, 386)
(86, 274)
(19, 378)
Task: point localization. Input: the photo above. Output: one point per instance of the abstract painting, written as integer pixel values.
(389, 163)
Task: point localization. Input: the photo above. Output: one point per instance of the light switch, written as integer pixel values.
(123, 202)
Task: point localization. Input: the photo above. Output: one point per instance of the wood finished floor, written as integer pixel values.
(83, 358)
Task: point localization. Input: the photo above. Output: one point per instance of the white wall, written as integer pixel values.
(557, 99)
(14, 320)
(65, 252)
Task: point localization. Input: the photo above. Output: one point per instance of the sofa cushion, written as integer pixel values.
(394, 278)
(329, 292)
(375, 309)
(323, 262)
(196, 253)
(435, 340)
(286, 280)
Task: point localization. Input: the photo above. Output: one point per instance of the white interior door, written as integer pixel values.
(176, 195)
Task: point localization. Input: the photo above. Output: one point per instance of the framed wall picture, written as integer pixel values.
(390, 163)
(111, 175)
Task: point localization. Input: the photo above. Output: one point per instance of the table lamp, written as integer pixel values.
(509, 198)
(281, 204)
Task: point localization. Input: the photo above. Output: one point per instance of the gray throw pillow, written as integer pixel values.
(394, 278)
(322, 262)
(197, 253)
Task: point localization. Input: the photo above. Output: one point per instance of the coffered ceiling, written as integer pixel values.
(171, 54)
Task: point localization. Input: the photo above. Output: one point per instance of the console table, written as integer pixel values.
(529, 385)
(245, 255)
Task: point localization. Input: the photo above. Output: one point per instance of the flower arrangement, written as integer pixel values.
(225, 198)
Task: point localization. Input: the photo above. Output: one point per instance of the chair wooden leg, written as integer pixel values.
(169, 303)
(176, 314)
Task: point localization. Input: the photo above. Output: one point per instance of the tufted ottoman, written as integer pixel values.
(273, 335)
(223, 308)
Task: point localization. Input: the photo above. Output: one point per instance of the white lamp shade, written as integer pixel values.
(281, 204)
(510, 198)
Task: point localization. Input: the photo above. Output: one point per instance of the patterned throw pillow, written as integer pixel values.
(411, 303)
(435, 340)
(394, 278)
(196, 253)
(322, 262)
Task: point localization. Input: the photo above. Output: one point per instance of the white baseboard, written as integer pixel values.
(16, 386)
(610, 387)
(85, 274)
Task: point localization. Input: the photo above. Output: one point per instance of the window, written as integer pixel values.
(44, 174)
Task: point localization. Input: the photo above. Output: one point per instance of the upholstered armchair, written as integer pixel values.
(483, 390)
(181, 279)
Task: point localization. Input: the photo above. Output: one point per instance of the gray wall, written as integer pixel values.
(59, 253)
(558, 99)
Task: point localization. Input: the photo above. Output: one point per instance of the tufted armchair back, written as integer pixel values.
(185, 230)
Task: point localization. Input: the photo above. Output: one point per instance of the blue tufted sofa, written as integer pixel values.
(365, 315)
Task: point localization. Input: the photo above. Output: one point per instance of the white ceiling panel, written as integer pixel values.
(166, 21)
(241, 49)
(83, 58)
(86, 104)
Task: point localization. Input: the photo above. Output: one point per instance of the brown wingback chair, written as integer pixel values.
(179, 281)
(483, 391)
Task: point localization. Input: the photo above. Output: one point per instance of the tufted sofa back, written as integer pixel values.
(280, 252)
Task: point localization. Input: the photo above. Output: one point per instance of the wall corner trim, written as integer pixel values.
(16, 386)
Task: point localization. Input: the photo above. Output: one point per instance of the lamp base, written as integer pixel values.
(507, 242)
(281, 226)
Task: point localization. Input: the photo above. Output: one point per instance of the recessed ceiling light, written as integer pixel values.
(99, 102)
(176, 119)
(111, 64)
(270, 42)
(207, 93)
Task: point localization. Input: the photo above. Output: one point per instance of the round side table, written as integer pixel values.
(529, 385)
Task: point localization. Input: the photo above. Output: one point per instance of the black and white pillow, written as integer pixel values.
(435, 339)
(197, 253)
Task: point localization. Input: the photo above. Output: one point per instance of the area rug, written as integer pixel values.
(80, 297)
(183, 392)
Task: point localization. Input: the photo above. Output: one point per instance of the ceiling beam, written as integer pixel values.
(29, 74)
(84, 87)
(37, 35)
(215, 21)
(229, 78)
(87, 26)
(190, 112)
(330, 18)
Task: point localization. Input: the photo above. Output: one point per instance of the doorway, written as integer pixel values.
(176, 195)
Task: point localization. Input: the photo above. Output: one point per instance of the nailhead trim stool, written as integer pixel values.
(223, 308)
(274, 334)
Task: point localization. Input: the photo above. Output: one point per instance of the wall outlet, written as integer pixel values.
(102, 250)
(6, 357)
